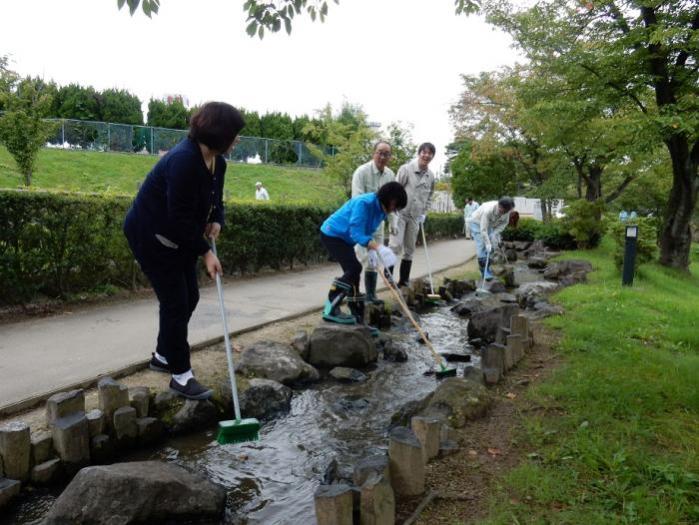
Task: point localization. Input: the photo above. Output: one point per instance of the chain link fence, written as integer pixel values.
(106, 136)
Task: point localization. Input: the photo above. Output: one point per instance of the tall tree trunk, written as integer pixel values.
(676, 238)
(593, 183)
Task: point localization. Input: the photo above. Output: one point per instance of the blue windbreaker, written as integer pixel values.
(356, 221)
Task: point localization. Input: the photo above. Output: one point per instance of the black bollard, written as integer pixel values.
(629, 255)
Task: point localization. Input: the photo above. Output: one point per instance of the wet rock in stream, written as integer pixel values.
(342, 345)
(276, 361)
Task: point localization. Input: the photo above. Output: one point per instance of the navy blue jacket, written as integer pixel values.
(178, 198)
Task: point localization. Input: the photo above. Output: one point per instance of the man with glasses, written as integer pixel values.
(418, 181)
(368, 178)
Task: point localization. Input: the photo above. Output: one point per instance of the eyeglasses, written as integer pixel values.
(384, 154)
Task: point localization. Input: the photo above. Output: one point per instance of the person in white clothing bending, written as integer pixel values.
(486, 224)
(260, 192)
(368, 178)
(469, 208)
(418, 181)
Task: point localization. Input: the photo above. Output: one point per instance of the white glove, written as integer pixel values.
(387, 256)
(393, 225)
(495, 239)
(488, 247)
(373, 259)
(421, 219)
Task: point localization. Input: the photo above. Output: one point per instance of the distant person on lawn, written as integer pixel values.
(178, 207)
(260, 192)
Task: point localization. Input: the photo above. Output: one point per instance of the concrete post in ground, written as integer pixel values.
(519, 325)
(406, 461)
(47, 472)
(373, 464)
(501, 334)
(377, 502)
(493, 363)
(42, 447)
(15, 449)
(71, 440)
(140, 400)
(509, 358)
(95, 422)
(9, 488)
(125, 427)
(516, 344)
(150, 430)
(427, 430)
(63, 404)
(112, 396)
(334, 505)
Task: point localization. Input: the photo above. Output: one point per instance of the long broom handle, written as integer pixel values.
(226, 338)
(487, 260)
(427, 257)
(440, 360)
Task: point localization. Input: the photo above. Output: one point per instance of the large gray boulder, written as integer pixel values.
(568, 272)
(276, 361)
(529, 293)
(342, 345)
(264, 398)
(457, 401)
(484, 324)
(138, 492)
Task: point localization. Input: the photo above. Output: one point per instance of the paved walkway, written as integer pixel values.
(41, 356)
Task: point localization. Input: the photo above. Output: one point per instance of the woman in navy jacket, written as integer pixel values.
(178, 207)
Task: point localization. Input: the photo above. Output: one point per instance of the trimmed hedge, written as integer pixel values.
(57, 244)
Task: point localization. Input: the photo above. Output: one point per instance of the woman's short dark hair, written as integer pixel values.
(393, 192)
(216, 125)
(427, 146)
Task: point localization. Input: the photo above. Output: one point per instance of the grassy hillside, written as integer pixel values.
(120, 173)
(618, 439)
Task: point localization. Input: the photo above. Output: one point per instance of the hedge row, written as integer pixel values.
(55, 245)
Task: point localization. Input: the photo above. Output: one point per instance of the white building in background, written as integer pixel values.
(442, 202)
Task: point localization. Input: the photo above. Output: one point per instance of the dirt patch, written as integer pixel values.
(465, 481)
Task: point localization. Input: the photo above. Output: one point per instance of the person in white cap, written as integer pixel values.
(260, 193)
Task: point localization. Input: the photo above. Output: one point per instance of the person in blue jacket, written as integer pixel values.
(179, 207)
(355, 223)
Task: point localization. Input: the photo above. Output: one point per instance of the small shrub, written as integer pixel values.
(582, 222)
(526, 230)
(646, 244)
(555, 235)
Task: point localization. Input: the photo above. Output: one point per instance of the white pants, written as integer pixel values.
(404, 241)
(363, 254)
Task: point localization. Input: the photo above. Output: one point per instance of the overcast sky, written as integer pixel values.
(399, 59)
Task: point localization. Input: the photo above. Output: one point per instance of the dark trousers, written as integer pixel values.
(343, 253)
(178, 294)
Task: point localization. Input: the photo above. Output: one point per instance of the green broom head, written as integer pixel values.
(445, 372)
(238, 431)
(433, 298)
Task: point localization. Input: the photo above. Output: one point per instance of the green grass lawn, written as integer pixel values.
(120, 173)
(620, 441)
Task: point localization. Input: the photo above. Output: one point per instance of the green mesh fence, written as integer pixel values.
(105, 136)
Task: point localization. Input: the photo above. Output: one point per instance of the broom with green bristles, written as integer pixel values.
(236, 430)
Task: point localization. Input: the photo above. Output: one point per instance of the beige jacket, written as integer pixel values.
(490, 220)
(419, 185)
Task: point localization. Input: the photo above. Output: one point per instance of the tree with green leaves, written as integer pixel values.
(77, 102)
(403, 148)
(641, 52)
(351, 140)
(23, 130)
(120, 106)
(169, 113)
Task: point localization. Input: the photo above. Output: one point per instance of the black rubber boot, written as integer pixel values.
(356, 305)
(331, 311)
(405, 266)
(370, 279)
